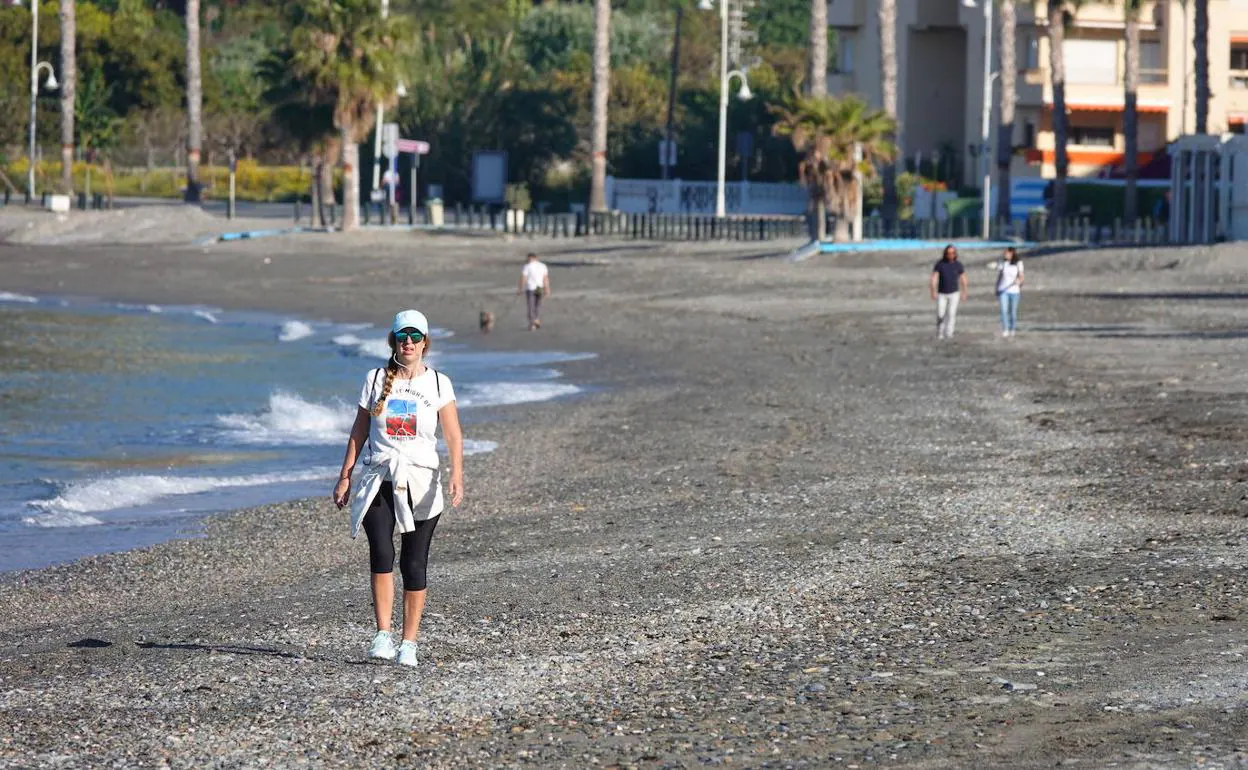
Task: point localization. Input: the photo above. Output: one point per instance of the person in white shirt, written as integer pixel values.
(1009, 289)
(400, 409)
(535, 285)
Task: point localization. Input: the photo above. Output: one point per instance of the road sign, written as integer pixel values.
(667, 152)
(389, 139)
(412, 145)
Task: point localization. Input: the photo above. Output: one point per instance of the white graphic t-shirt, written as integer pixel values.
(1007, 277)
(534, 274)
(409, 420)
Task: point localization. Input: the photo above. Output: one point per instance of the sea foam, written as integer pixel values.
(294, 330)
(112, 493)
(290, 421)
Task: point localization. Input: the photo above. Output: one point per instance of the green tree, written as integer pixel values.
(828, 133)
(346, 48)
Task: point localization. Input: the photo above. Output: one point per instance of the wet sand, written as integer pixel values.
(787, 528)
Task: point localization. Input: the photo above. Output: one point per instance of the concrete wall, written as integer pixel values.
(936, 94)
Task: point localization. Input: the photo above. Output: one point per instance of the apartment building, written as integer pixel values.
(940, 67)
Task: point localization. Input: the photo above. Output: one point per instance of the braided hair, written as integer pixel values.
(392, 368)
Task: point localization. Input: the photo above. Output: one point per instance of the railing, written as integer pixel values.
(1239, 80)
(1154, 77)
(1037, 228)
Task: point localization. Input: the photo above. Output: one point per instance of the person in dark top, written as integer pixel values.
(947, 285)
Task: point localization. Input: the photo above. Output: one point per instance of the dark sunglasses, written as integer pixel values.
(415, 337)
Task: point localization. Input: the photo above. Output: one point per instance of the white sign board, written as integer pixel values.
(489, 176)
(390, 139)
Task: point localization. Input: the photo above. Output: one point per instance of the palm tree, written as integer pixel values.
(888, 87)
(1057, 74)
(827, 132)
(1200, 41)
(1006, 51)
(601, 94)
(1130, 113)
(818, 48)
(194, 102)
(307, 115)
(346, 50)
(69, 76)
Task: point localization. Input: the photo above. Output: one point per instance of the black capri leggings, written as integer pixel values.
(379, 526)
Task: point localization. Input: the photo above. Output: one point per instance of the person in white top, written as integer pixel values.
(400, 408)
(1009, 289)
(534, 284)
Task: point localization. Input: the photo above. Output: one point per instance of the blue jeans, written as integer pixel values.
(1009, 311)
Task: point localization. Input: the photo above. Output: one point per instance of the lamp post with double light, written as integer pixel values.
(724, 77)
(985, 156)
(35, 67)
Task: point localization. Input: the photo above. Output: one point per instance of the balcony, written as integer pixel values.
(847, 13)
(1154, 77)
(1239, 80)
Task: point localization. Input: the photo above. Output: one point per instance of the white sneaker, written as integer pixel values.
(407, 654)
(382, 647)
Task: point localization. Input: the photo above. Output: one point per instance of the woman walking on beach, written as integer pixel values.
(1009, 289)
(534, 284)
(947, 285)
(401, 406)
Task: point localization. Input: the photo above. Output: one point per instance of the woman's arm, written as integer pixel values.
(449, 417)
(546, 284)
(359, 434)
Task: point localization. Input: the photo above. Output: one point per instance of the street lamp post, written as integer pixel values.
(986, 117)
(744, 95)
(35, 67)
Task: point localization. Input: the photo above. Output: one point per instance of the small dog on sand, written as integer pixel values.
(487, 321)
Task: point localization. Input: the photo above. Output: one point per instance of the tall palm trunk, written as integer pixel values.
(350, 178)
(69, 78)
(818, 47)
(1130, 114)
(888, 87)
(194, 102)
(1009, 99)
(601, 93)
(325, 178)
(819, 87)
(1057, 73)
(1200, 41)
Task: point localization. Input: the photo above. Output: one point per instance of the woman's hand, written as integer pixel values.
(342, 490)
(457, 489)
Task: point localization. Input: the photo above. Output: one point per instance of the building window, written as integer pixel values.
(1236, 128)
(1029, 135)
(843, 62)
(1091, 136)
(1091, 62)
(1239, 66)
(1239, 56)
(1152, 63)
(1028, 52)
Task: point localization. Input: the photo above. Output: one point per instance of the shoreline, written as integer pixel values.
(790, 530)
(169, 520)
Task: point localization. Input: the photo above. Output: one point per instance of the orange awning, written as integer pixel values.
(1145, 107)
(1239, 38)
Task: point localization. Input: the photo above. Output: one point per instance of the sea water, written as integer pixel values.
(125, 425)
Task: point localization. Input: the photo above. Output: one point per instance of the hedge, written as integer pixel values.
(253, 182)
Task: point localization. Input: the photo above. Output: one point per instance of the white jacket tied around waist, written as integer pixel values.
(417, 490)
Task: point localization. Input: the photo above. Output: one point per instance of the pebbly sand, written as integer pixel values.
(786, 529)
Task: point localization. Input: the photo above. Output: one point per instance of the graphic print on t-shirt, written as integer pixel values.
(400, 417)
